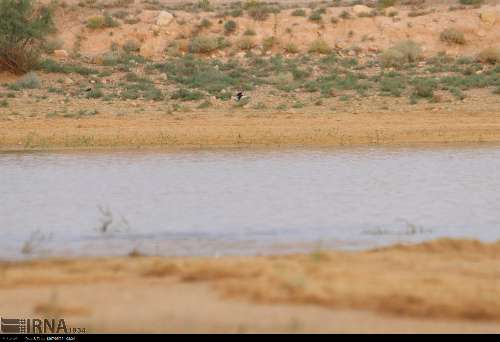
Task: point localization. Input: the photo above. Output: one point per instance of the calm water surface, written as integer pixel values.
(245, 202)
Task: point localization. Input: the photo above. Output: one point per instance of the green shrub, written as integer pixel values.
(96, 22)
(424, 87)
(104, 21)
(299, 12)
(320, 46)
(452, 36)
(258, 10)
(187, 95)
(269, 42)
(203, 44)
(205, 23)
(393, 86)
(315, 16)
(230, 27)
(471, 2)
(23, 28)
(386, 3)
(204, 5)
(49, 65)
(95, 94)
(236, 12)
(29, 81)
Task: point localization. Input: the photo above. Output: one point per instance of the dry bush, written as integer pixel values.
(320, 46)
(490, 55)
(400, 54)
(452, 36)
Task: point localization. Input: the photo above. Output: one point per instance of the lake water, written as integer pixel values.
(244, 202)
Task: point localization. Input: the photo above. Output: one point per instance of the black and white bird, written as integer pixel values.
(239, 96)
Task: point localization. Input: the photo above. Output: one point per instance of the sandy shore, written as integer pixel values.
(439, 286)
(120, 125)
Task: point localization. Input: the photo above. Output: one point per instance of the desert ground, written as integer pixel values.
(440, 286)
(164, 73)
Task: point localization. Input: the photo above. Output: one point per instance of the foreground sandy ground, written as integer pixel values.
(438, 286)
(375, 121)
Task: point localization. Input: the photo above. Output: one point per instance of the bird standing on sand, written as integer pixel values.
(239, 96)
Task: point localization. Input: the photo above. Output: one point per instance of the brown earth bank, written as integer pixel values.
(439, 286)
(477, 120)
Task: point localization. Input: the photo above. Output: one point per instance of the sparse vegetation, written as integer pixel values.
(230, 27)
(401, 54)
(246, 43)
(299, 12)
(291, 48)
(452, 36)
(203, 44)
(386, 3)
(490, 55)
(471, 2)
(320, 46)
(101, 22)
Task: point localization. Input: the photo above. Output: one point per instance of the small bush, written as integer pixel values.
(29, 81)
(386, 3)
(345, 15)
(320, 46)
(95, 94)
(315, 16)
(236, 12)
(204, 5)
(471, 2)
(246, 43)
(490, 55)
(121, 14)
(452, 36)
(249, 32)
(424, 88)
(291, 48)
(299, 12)
(187, 95)
(203, 44)
(95, 23)
(401, 53)
(205, 23)
(102, 21)
(230, 27)
(258, 10)
(131, 46)
(268, 43)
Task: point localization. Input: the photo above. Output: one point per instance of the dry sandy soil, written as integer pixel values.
(438, 286)
(379, 32)
(477, 120)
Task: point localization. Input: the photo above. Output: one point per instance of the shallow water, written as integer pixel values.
(244, 202)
